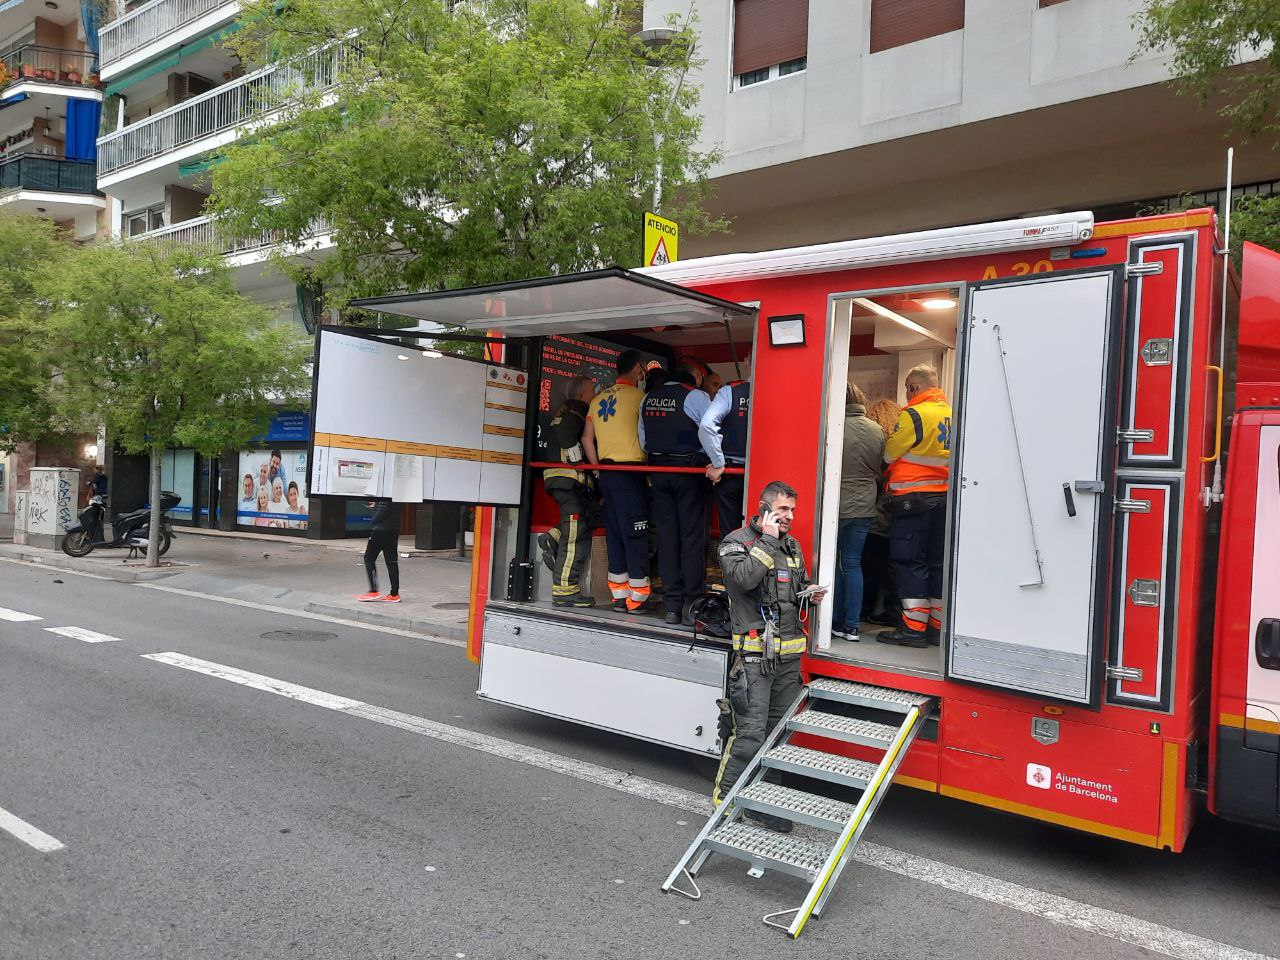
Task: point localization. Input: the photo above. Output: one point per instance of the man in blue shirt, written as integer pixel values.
(668, 429)
(723, 434)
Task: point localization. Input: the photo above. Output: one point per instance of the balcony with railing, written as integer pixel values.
(153, 22)
(206, 232)
(48, 175)
(218, 111)
(38, 64)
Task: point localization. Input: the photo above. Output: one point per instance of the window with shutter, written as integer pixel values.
(898, 22)
(770, 38)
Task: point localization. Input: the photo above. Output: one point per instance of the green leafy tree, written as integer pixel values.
(28, 248)
(158, 345)
(1221, 48)
(449, 143)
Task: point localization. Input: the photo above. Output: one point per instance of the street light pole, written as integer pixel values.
(655, 40)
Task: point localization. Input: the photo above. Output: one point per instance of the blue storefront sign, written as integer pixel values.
(291, 426)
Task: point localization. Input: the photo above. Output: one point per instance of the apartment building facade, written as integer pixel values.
(50, 99)
(840, 119)
(174, 97)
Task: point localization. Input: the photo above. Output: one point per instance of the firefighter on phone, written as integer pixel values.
(768, 586)
(565, 549)
(918, 453)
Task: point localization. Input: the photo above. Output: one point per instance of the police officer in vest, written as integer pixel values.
(918, 453)
(723, 433)
(765, 576)
(566, 549)
(612, 436)
(669, 419)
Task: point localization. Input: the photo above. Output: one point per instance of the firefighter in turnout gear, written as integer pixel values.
(565, 550)
(723, 432)
(669, 419)
(612, 436)
(918, 453)
(766, 580)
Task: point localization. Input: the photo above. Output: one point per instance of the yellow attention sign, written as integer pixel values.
(661, 240)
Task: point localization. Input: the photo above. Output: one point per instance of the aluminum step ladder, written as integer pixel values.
(822, 709)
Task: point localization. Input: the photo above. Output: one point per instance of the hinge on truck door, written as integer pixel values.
(1144, 593)
(1133, 506)
(1158, 352)
(1135, 435)
(1124, 673)
(1152, 268)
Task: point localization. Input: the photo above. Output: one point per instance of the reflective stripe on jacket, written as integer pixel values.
(566, 440)
(764, 574)
(919, 449)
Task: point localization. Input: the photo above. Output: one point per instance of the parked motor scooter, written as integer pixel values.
(128, 529)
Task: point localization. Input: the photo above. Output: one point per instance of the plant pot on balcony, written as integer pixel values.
(73, 76)
(48, 74)
(28, 71)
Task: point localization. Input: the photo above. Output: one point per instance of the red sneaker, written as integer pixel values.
(390, 598)
(371, 595)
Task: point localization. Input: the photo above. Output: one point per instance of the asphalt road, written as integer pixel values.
(202, 818)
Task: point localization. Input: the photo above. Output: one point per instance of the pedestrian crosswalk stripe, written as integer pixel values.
(80, 633)
(17, 616)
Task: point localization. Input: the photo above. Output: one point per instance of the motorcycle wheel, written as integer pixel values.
(77, 544)
(166, 541)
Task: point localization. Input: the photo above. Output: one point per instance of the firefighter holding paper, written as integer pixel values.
(918, 453)
(768, 586)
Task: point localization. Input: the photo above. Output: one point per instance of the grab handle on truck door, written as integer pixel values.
(1071, 501)
(1217, 420)
(1266, 643)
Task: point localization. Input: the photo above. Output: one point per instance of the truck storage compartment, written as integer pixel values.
(662, 690)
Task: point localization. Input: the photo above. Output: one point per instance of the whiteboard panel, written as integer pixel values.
(435, 416)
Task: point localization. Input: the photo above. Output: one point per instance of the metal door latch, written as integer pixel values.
(1158, 352)
(1133, 674)
(1090, 486)
(1135, 435)
(1144, 593)
(1152, 268)
(1133, 506)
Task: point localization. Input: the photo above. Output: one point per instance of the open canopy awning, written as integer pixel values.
(597, 301)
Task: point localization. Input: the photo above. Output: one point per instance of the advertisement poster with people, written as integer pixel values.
(272, 489)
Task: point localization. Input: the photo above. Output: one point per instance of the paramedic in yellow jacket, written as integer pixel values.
(918, 453)
(612, 436)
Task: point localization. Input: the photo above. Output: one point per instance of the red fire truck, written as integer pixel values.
(1111, 647)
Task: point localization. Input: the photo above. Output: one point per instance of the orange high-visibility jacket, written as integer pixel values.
(919, 449)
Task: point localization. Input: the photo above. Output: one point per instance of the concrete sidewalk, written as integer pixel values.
(293, 573)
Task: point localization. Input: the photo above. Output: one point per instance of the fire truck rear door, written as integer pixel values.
(1032, 477)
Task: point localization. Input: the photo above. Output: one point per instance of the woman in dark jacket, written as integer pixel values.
(384, 538)
(860, 472)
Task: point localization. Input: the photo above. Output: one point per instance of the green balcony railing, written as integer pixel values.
(52, 174)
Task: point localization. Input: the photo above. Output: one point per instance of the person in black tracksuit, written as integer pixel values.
(384, 538)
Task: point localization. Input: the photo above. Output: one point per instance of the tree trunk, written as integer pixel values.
(153, 538)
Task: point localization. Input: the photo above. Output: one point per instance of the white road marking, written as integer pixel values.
(80, 633)
(17, 616)
(287, 611)
(1047, 906)
(27, 833)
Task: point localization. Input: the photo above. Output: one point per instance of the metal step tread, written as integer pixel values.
(847, 768)
(842, 727)
(850, 692)
(797, 802)
(770, 845)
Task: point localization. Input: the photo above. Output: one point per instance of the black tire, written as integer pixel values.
(166, 541)
(78, 543)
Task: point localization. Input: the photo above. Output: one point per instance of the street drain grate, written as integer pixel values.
(451, 605)
(299, 635)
